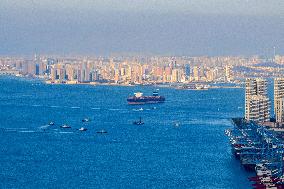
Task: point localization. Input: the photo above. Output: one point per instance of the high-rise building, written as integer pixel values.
(175, 75)
(196, 73)
(228, 73)
(279, 99)
(257, 104)
(187, 70)
(53, 73)
(257, 108)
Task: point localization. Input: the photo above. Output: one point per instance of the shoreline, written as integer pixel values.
(173, 86)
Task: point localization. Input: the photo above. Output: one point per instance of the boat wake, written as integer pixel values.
(137, 110)
(75, 107)
(115, 109)
(13, 129)
(36, 105)
(44, 126)
(65, 132)
(28, 131)
(95, 108)
(54, 106)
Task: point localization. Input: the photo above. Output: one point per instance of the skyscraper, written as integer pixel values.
(187, 70)
(257, 104)
(228, 73)
(279, 99)
(196, 73)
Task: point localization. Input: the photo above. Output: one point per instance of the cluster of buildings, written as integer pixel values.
(124, 70)
(257, 102)
(127, 72)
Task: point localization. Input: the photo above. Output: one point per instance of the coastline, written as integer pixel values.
(177, 86)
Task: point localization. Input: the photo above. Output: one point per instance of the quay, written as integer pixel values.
(259, 149)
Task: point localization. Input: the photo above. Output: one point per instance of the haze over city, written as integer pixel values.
(194, 28)
(142, 94)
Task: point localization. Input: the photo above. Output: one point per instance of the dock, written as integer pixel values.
(259, 149)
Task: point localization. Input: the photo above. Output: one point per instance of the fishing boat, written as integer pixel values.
(140, 122)
(65, 126)
(82, 129)
(86, 120)
(102, 131)
(51, 123)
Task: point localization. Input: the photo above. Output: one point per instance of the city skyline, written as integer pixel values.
(141, 93)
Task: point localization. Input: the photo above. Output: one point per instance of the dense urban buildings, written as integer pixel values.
(257, 104)
(144, 70)
(279, 99)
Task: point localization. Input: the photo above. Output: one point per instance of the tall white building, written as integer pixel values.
(257, 104)
(196, 73)
(228, 73)
(279, 99)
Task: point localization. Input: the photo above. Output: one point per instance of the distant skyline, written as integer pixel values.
(180, 27)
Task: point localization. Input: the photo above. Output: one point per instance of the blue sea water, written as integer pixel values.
(196, 154)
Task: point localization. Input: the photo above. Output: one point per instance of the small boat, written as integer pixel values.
(82, 129)
(176, 124)
(102, 131)
(51, 123)
(65, 126)
(86, 120)
(140, 122)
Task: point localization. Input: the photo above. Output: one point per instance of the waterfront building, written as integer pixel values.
(61, 74)
(279, 99)
(31, 68)
(116, 75)
(210, 75)
(175, 76)
(195, 73)
(201, 72)
(258, 108)
(257, 104)
(53, 73)
(228, 73)
(70, 74)
(187, 70)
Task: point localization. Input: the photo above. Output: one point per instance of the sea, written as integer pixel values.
(181, 145)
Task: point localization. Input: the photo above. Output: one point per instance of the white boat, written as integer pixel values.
(86, 120)
(176, 124)
(65, 126)
(82, 129)
(51, 123)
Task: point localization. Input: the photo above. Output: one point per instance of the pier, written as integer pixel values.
(259, 149)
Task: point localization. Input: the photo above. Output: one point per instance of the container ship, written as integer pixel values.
(138, 98)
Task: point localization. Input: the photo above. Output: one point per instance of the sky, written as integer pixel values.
(163, 27)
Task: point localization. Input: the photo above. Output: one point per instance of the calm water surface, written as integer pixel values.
(156, 155)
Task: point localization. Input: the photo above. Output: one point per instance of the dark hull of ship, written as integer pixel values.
(137, 101)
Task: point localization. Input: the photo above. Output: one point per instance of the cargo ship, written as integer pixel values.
(138, 98)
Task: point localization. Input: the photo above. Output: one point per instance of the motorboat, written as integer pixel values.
(65, 126)
(140, 122)
(86, 120)
(51, 123)
(102, 131)
(82, 129)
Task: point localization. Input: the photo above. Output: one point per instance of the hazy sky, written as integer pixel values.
(176, 27)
